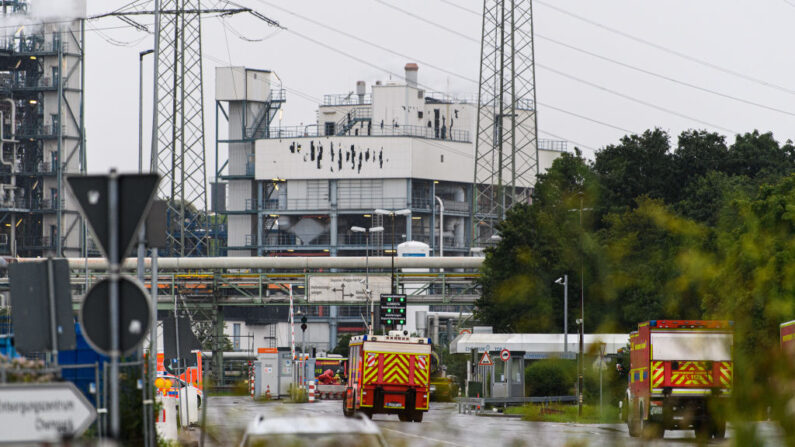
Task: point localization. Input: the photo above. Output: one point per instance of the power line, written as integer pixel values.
(561, 110)
(634, 99)
(668, 50)
(639, 69)
(572, 77)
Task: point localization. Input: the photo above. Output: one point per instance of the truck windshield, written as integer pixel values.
(691, 346)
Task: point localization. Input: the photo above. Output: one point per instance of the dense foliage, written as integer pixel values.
(696, 229)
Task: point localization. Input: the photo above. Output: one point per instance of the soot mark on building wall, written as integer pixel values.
(316, 150)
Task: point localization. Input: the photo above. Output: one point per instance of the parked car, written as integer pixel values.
(316, 431)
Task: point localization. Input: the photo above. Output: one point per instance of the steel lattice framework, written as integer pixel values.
(180, 126)
(506, 147)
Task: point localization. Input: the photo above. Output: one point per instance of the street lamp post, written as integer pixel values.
(565, 282)
(367, 268)
(403, 212)
(150, 381)
(581, 381)
(441, 226)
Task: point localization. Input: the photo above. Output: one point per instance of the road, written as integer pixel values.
(442, 426)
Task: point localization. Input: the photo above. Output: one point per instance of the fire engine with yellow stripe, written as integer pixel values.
(388, 374)
(681, 374)
(788, 338)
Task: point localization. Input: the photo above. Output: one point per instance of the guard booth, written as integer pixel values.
(495, 377)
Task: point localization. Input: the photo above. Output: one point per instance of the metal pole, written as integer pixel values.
(566, 314)
(367, 279)
(153, 344)
(97, 399)
(393, 253)
(142, 238)
(601, 409)
(113, 254)
(581, 381)
(441, 226)
(53, 322)
(182, 408)
(153, 162)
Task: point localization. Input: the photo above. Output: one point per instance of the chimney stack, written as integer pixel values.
(361, 89)
(411, 74)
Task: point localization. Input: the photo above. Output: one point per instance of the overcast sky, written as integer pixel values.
(751, 39)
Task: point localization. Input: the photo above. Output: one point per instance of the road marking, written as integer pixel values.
(422, 437)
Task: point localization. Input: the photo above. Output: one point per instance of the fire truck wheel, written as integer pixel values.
(703, 431)
(718, 428)
(417, 416)
(345, 411)
(403, 417)
(633, 422)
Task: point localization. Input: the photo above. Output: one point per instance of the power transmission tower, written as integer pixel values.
(180, 127)
(178, 151)
(506, 146)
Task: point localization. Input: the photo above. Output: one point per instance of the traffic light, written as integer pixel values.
(393, 310)
(303, 323)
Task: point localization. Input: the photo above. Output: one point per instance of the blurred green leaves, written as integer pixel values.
(699, 230)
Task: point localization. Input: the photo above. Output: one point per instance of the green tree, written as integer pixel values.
(540, 242)
(639, 165)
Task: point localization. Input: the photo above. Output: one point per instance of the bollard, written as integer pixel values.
(268, 392)
(310, 385)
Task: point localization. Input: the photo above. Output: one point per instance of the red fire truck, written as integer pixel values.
(788, 337)
(388, 374)
(680, 376)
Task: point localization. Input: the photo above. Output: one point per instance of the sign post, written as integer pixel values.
(485, 360)
(43, 412)
(392, 310)
(114, 230)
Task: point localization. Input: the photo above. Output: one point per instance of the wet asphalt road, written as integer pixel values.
(443, 426)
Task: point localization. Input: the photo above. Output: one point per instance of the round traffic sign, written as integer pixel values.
(464, 331)
(505, 355)
(134, 315)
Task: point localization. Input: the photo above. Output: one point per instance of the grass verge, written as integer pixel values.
(567, 413)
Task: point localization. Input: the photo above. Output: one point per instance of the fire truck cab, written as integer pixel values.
(388, 374)
(680, 377)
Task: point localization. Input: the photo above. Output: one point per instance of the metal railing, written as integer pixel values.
(350, 119)
(346, 99)
(277, 95)
(451, 205)
(16, 203)
(460, 136)
(445, 98)
(38, 242)
(43, 82)
(288, 239)
(370, 203)
(553, 145)
(32, 44)
(48, 204)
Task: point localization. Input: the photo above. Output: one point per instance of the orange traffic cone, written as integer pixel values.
(268, 392)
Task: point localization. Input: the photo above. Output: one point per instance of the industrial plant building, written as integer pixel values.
(301, 190)
(393, 155)
(41, 105)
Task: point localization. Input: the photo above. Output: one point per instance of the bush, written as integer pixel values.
(551, 377)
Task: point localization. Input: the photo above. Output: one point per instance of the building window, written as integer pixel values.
(330, 128)
(419, 114)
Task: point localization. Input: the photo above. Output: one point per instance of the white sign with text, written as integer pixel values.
(43, 412)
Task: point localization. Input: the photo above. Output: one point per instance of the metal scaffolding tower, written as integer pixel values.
(506, 148)
(42, 138)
